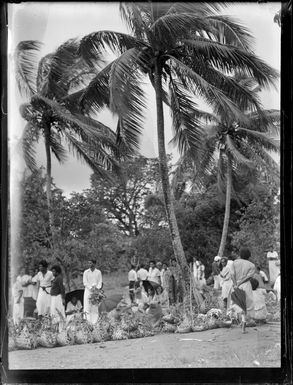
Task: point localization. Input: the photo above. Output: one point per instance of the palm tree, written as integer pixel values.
(177, 46)
(240, 149)
(46, 83)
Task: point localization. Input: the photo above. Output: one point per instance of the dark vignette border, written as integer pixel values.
(204, 376)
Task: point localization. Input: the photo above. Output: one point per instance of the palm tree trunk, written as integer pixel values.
(49, 178)
(168, 198)
(227, 208)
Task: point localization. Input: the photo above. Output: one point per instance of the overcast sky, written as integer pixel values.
(54, 23)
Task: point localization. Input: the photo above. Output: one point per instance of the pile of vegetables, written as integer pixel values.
(124, 323)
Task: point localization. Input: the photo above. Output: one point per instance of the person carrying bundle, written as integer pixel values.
(92, 279)
(242, 271)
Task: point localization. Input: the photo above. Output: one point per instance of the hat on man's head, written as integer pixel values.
(217, 258)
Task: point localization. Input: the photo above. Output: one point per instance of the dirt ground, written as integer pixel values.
(260, 347)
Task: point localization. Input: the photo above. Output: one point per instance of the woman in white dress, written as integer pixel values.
(44, 280)
(18, 301)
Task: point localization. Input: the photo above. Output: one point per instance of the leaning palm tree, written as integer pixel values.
(239, 150)
(45, 84)
(177, 47)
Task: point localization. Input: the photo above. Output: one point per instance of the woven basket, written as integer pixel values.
(82, 337)
(47, 339)
(63, 339)
(183, 330)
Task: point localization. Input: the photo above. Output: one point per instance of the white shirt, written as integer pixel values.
(35, 288)
(92, 279)
(154, 275)
(132, 276)
(142, 274)
(45, 280)
(263, 275)
(27, 290)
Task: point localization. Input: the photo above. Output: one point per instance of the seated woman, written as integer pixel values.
(161, 297)
(259, 295)
(73, 309)
(141, 299)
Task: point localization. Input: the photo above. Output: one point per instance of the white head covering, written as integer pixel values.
(217, 258)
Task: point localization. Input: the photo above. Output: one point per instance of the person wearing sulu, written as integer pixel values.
(44, 279)
(92, 278)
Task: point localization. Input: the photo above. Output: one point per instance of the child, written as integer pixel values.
(132, 278)
(260, 309)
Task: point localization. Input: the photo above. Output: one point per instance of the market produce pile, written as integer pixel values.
(124, 323)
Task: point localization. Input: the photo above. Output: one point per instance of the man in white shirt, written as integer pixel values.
(92, 278)
(44, 279)
(154, 273)
(142, 276)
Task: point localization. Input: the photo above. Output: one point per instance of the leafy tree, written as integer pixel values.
(122, 197)
(183, 48)
(259, 226)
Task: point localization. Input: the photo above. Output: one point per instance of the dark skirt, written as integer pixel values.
(29, 306)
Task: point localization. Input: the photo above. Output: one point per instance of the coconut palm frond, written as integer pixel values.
(28, 146)
(212, 95)
(227, 57)
(244, 98)
(187, 129)
(202, 9)
(173, 27)
(138, 18)
(206, 117)
(100, 163)
(93, 45)
(261, 138)
(230, 31)
(60, 113)
(97, 94)
(56, 146)
(235, 153)
(205, 165)
(43, 73)
(63, 62)
(26, 59)
(127, 98)
(268, 121)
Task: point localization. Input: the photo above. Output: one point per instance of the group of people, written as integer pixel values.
(41, 292)
(156, 283)
(243, 274)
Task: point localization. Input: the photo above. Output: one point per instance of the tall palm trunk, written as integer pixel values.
(49, 177)
(227, 207)
(168, 198)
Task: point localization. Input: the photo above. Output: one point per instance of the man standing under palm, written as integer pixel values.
(92, 278)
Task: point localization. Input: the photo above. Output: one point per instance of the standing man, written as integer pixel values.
(92, 278)
(44, 279)
(132, 279)
(154, 273)
(142, 276)
(178, 281)
(216, 272)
